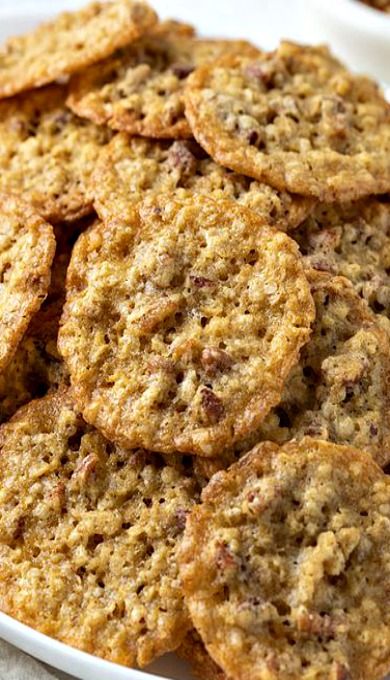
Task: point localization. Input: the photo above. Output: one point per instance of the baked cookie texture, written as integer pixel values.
(36, 367)
(130, 167)
(294, 118)
(27, 248)
(47, 153)
(285, 564)
(352, 240)
(340, 388)
(140, 88)
(70, 42)
(89, 534)
(181, 326)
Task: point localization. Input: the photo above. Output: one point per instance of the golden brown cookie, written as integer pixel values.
(195, 653)
(36, 367)
(182, 324)
(48, 153)
(140, 88)
(128, 167)
(339, 390)
(285, 564)
(70, 42)
(296, 119)
(27, 248)
(352, 240)
(88, 536)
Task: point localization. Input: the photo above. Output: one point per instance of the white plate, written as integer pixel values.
(264, 22)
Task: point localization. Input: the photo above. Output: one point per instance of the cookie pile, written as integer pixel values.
(195, 349)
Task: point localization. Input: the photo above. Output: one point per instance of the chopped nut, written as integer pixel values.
(211, 405)
(181, 158)
(214, 360)
(224, 557)
(201, 281)
(182, 70)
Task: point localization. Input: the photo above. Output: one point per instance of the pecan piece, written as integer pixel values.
(224, 558)
(182, 71)
(214, 360)
(180, 157)
(201, 281)
(211, 405)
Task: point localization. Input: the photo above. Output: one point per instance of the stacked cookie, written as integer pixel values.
(195, 351)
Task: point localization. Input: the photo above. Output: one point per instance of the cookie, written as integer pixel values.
(70, 42)
(48, 153)
(382, 5)
(194, 652)
(285, 564)
(88, 550)
(192, 349)
(296, 119)
(129, 167)
(27, 248)
(36, 367)
(339, 390)
(140, 88)
(352, 240)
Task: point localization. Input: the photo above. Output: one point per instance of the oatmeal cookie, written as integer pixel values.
(70, 42)
(129, 167)
(296, 119)
(36, 367)
(140, 88)
(285, 564)
(182, 324)
(352, 240)
(48, 153)
(27, 248)
(340, 389)
(88, 536)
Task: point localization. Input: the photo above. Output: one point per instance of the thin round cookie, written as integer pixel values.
(296, 119)
(339, 389)
(129, 167)
(70, 42)
(48, 153)
(285, 564)
(181, 325)
(27, 248)
(352, 240)
(89, 534)
(140, 88)
(36, 368)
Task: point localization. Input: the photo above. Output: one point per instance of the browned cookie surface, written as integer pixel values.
(70, 42)
(285, 564)
(182, 324)
(352, 240)
(130, 167)
(48, 153)
(140, 88)
(339, 390)
(89, 534)
(27, 248)
(36, 367)
(296, 119)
